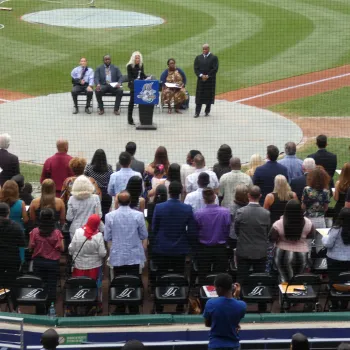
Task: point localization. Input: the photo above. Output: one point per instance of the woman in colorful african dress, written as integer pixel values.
(173, 75)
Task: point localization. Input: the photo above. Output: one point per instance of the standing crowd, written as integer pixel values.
(166, 212)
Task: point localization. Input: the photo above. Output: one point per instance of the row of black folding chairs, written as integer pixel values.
(304, 289)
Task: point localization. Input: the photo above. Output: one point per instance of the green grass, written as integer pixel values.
(331, 104)
(256, 41)
(31, 172)
(339, 146)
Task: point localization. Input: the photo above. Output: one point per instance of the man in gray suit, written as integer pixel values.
(106, 74)
(135, 165)
(252, 224)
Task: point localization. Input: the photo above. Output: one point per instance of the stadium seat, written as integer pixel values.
(31, 290)
(319, 266)
(257, 289)
(154, 273)
(339, 290)
(126, 290)
(171, 289)
(232, 265)
(80, 291)
(311, 285)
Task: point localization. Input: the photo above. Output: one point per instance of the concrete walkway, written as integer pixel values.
(36, 123)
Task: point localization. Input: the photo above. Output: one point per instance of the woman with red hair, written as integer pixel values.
(341, 188)
(316, 197)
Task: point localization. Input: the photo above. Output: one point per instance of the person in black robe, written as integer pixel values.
(135, 70)
(206, 66)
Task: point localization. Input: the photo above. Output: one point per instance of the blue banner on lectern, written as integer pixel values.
(146, 92)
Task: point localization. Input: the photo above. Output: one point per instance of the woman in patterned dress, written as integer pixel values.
(173, 75)
(316, 197)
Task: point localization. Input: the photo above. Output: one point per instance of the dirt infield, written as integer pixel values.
(289, 89)
(7, 95)
(332, 126)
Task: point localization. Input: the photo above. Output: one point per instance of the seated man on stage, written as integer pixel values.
(83, 81)
(173, 81)
(105, 75)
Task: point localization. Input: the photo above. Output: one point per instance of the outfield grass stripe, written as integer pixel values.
(293, 87)
(231, 27)
(256, 41)
(326, 44)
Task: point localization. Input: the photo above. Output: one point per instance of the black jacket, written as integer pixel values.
(9, 165)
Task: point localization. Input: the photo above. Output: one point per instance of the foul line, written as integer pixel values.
(291, 87)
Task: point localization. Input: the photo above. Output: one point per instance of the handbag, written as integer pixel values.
(70, 264)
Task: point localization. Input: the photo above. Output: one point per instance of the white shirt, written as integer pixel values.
(92, 252)
(119, 180)
(228, 184)
(126, 228)
(191, 180)
(79, 210)
(196, 201)
(186, 170)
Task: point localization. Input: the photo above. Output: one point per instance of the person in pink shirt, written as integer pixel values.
(57, 167)
(46, 243)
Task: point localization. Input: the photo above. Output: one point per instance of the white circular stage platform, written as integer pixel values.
(36, 123)
(92, 18)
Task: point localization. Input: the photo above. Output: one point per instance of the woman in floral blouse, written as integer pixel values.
(316, 197)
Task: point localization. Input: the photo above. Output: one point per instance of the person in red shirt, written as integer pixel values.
(57, 167)
(46, 243)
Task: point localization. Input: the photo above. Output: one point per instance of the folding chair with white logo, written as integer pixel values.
(80, 292)
(319, 266)
(126, 290)
(339, 290)
(171, 289)
(301, 289)
(257, 289)
(31, 290)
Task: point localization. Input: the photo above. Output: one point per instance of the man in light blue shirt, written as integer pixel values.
(291, 162)
(119, 179)
(125, 228)
(83, 81)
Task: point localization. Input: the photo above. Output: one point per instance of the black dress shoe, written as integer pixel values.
(131, 123)
(75, 110)
(87, 110)
(207, 114)
(196, 115)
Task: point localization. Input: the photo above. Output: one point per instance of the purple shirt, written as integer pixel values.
(213, 224)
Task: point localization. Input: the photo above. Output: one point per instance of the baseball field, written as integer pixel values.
(257, 42)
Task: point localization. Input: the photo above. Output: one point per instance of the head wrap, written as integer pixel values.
(91, 227)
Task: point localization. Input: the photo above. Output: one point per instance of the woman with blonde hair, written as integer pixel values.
(341, 188)
(9, 194)
(135, 69)
(255, 161)
(47, 199)
(276, 201)
(82, 204)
